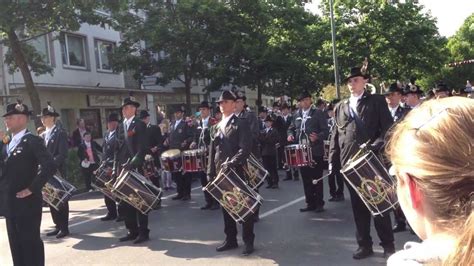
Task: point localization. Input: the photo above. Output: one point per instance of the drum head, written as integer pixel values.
(171, 153)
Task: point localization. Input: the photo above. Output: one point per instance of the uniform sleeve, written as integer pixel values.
(142, 144)
(323, 127)
(211, 166)
(385, 122)
(61, 156)
(46, 163)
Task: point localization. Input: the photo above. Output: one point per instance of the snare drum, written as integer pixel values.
(254, 172)
(194, 160)
(234, 195)
(171, 160)
(298, 155)
(57, 191)
(104, 180)
(371, 181)
(137, 191)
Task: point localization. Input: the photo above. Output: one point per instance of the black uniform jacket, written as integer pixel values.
(131, 144)
(233, 145)
(58, 148)
(180, 135)
(268, 140)
(28, 166)
(348, 134)
(315, 123)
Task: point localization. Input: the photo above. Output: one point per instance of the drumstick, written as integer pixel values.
(315, 181)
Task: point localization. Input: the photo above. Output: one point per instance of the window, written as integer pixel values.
(73, 50)
(41, 45)
(103, 50)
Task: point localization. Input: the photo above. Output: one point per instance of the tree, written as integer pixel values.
(399, 40)
(175, 41)
(21, 21)
(461, 48)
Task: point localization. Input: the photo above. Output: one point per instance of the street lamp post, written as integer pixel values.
(334, 55)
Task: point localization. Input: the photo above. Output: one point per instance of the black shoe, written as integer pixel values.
(178, 197)
(119, 219)
(269, 186)
(206, 207)
(53, 233)
(399, 227)
(248, 250)
(108, 218)
(128, 237)
(62, 234)
(307, 209)
(362, 253)
(185, 198)
(215, 207)
(333, 198)
(227, 246)
(387, 252)
(141, 239)
(275, 186)
(340, 198)
(319, 209)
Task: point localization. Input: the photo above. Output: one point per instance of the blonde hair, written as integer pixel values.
(434, 144)
(165, 126)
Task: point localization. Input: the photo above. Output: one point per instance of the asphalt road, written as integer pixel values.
(182, 234)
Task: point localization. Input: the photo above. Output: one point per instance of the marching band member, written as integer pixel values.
(230, 147)
(413, 95)
(202, 139)
(179, 138)
(26, 166)
(311, 128)
(393, 96)
(130, 150)
(441, 91)
(268, 138)
(431, 152)
(286, 118)
(108, 147)
(55, 139)
(155, 143)
(241, 112)
(335, 178)
(364, 117)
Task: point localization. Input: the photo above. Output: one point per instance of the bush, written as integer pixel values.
(73, 171)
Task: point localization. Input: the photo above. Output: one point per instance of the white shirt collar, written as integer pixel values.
(224, 122)
(15, 140)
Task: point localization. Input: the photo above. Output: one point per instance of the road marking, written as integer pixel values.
(97, 217)
(277, 209)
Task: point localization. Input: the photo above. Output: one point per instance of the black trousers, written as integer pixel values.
(336, 183)
(281, 156)
(135, 221)
(230, 229)
(88, 173)
(61, 217)
(362, 219)
(313, 193)
(183, 183)
(207, 197)
(270, 164)
(26, 246)
(111, 206)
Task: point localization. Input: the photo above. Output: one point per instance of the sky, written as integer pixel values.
(450, 14)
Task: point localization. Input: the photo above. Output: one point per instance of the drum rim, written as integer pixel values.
(171, 153)
(356, 162)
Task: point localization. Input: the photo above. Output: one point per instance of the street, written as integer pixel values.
(182, 234)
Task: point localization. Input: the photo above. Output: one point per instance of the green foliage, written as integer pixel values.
(73, 171)
(400, 41)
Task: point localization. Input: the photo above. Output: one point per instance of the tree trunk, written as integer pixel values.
(22, 64)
